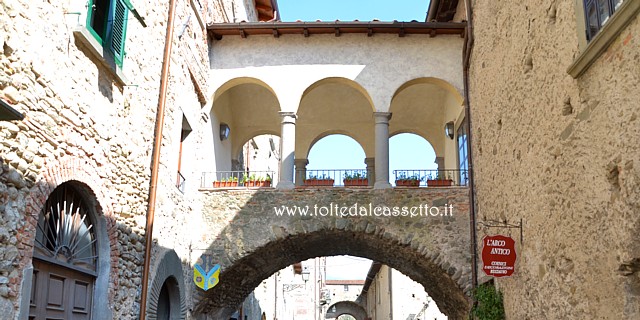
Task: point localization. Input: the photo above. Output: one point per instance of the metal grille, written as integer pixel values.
(64, 231)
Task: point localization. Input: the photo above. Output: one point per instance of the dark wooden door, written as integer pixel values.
(60, 293)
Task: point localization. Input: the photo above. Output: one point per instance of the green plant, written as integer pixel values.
(489, 303)
(268, 178)
(404, 177)
(440, 175)
(354, 175)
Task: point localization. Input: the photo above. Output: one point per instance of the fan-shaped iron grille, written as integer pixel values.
(65, 232)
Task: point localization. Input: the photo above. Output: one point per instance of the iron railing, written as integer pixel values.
(234, 179)
(180, 182)
(337, 177)
(431, 178)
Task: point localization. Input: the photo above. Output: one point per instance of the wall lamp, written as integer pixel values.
(305, 275)
(449, 129)
(224, 131)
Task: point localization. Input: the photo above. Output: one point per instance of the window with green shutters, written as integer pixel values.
(107, 22)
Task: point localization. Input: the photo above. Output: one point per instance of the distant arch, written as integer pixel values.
(346, 307)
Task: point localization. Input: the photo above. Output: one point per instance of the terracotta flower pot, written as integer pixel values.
(360, 182)
(440, 183)
(408, 183)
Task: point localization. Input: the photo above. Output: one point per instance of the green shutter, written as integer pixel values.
(119, 31)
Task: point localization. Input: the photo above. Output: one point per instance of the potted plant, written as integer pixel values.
(440, 179)
(265, 182)
(250, 181)
(233, 182)
(217, 184)
(408, 181)
(320, 181)
(355, 178)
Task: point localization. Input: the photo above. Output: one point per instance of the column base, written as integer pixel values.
(382, 185)
(285, 185)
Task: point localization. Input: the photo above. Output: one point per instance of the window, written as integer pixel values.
(463, 159)
(603, 21)
(107, 23)
(346, 288)
(597, 14)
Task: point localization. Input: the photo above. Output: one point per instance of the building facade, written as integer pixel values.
(550, 91)
(554, 144)
(389, 294)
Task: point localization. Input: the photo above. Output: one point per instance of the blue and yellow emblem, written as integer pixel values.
(206, 280)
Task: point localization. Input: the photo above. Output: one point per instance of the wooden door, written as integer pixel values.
(59, 293)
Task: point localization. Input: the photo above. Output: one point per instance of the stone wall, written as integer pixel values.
(83, 122)
(562, 155)
(244, 235)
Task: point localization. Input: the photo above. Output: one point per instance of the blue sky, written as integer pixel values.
(363, 10)
(406, 151)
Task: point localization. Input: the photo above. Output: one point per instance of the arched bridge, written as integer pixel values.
(251, 235)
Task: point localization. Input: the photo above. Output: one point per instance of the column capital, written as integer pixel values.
(370, 162)
(301, 162)
(288, 117)
(382, 117)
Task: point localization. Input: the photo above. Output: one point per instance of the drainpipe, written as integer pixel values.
(155, 160)
(472, 208)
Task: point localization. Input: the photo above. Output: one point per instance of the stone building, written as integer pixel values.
(89, 170)
(553, 96)
(75, 172)
(553, 130)
(389, 294)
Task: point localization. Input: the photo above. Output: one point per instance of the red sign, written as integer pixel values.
(498, 256)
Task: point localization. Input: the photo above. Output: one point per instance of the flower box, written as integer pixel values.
(440, 183)
(360, 182)
(319, 182)
(408, 183)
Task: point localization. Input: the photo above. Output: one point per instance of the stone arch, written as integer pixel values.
(416, 132)
(344, 81)
(85, 179)
(235, 152)
(305, 153)
(423, 106)
(431, 80)
(432, 252)
(168, 274)
(239, 81)
(334, 105)
(346, 307)
(247, 106)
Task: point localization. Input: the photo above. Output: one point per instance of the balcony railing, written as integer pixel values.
(338, 177)
(180, 182)
(234, 179)
(431, 178)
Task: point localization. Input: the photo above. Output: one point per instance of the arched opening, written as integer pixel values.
(71, 260)
(167, 294)
(164, 303)
(242, 109)
(336, 158)
(432, 109)
(410, 155)
(333, 106)
(168, 301)
(250, 271)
